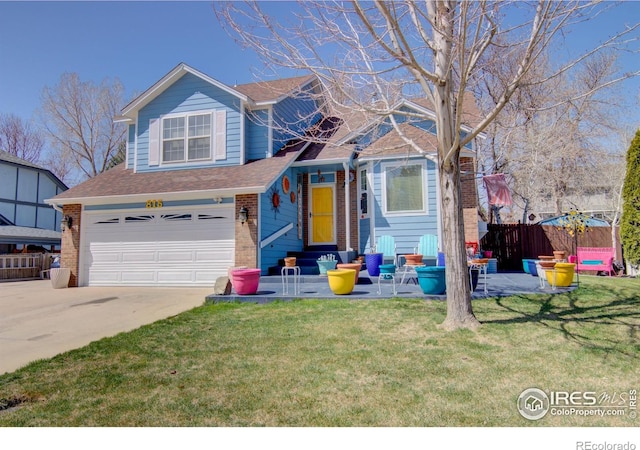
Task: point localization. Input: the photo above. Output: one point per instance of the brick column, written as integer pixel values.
(247, 234)
(70, 254)
(469, 200)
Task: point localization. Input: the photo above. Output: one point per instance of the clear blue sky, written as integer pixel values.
(139, 42)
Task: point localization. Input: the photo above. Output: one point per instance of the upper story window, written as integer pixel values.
(404, 188)
(186, 138)
(190, 137)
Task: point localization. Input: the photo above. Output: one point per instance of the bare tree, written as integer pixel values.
(79, 118)
(369, 53)
(20, 138)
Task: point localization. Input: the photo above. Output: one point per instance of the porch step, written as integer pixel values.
(306, 260)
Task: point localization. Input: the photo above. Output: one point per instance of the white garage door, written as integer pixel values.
(161, 247)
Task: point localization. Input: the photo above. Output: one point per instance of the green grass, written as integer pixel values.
(342, 363)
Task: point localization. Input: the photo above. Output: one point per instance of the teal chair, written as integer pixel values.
(387, 246)
(428, 246)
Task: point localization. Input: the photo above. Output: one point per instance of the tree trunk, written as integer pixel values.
(459, 310)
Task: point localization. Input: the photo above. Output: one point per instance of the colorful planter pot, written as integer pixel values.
(341, 281)
(355, 266)
(325, 265)
(563, 273)
(373, 261)
(387, 268)
(413, 260)
(245, 281)
(432, 280)
(526, 266)
(533, 268)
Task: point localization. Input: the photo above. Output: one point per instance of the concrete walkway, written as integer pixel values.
(37, 321)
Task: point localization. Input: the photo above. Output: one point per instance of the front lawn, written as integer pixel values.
(344, 363)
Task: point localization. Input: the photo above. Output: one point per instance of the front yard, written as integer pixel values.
(345, 363)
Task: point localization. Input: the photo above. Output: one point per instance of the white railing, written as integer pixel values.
(268, 240)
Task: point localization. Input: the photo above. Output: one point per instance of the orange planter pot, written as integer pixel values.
(354, 266)
(413, 260)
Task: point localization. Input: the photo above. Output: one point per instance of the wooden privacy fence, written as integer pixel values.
(511, 243)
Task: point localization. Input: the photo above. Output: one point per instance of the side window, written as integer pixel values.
(363, 194)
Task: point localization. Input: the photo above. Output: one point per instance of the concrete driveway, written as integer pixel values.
(37, 321)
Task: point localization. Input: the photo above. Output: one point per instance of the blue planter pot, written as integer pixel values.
(326, 265)
(432, 280)
(373, 262)
(533, 270)
(525, 265)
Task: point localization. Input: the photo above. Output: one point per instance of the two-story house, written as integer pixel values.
(219, 176)
(25, 218)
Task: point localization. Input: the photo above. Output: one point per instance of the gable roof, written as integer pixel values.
(392, 145)
(120, 185)
(263, 92)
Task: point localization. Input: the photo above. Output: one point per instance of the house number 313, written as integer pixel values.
(154, 203)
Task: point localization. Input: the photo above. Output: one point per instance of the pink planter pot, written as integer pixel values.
(245, 281)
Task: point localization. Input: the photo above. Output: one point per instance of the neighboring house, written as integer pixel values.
(25, 218)
(201, 154)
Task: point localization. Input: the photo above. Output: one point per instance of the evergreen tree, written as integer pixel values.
(630, 223)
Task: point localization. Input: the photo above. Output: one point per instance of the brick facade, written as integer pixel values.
(469, 199)
(247, 234)
(70, 254)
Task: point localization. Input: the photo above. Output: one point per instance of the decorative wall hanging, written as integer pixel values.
(274, 195)
(293, 197)
(285, 184)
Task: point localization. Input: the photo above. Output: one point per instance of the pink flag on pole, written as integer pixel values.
(497, 190)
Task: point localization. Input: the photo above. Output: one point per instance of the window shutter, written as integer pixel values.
(154, 142)
(220, 138)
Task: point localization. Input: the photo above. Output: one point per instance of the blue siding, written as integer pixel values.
(405, 229)
(27, 185)
(295, 114)
(273, 221)
(190, 93)
(257, 130)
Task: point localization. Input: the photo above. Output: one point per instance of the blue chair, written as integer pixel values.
(428, 246)
(387, 246)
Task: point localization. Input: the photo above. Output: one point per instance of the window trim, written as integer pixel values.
(384, 167)
(186, 137)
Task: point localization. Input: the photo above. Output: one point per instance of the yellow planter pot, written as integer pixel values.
(341, 281)
(563, 273)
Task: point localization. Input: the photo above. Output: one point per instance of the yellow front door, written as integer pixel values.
(322, 216)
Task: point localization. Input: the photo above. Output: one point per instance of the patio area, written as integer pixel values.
(271, 288)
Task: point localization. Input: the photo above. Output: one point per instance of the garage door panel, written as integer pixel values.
(175, 256)
(169, 277)
(138, 276)
(105, 277)
(138, 256)
(170, 249)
